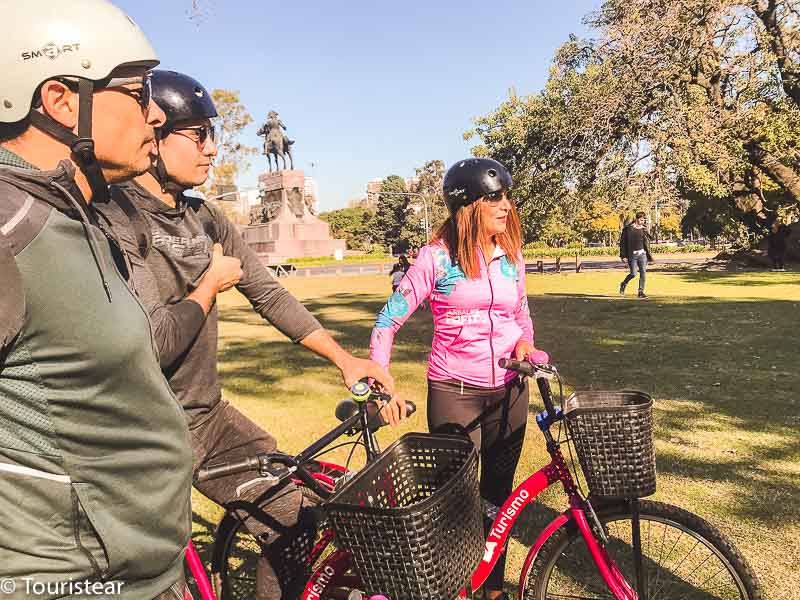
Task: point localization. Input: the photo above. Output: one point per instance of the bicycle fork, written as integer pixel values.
(605, 564)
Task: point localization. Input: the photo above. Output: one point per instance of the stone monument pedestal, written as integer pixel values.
(287, 228)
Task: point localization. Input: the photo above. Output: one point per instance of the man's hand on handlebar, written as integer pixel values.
(354, 369)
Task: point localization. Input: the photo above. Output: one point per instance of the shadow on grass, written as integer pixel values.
(734, 360)
(757, 278)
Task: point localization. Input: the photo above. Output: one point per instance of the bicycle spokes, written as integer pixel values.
(674, 563)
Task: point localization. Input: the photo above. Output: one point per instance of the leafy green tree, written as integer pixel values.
(391, 211)
(413, 234)
(431, 176)
(602, 223)
(233, 156)
(672, 99)
(352, 225)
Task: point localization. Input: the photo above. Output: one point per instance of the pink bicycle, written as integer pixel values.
(609, 544)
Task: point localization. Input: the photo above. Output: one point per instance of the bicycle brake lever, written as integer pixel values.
(545, 371)
(272, 472)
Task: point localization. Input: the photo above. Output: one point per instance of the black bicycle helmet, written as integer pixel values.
(182, 98)
(473, 178)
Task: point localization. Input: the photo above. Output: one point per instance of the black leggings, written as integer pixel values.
(498, 440)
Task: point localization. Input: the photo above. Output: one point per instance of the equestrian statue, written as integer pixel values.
(276, 143)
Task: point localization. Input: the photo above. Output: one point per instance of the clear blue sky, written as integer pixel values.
(367, 88)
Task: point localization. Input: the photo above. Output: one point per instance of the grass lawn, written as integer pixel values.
(718, 352)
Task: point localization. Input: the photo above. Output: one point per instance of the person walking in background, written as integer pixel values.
(776, 245)
(634, 246)
(398, 271)
(397, 275)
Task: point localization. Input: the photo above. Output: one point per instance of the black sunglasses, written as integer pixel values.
(142, 95)
(199, 134)
(495, 197)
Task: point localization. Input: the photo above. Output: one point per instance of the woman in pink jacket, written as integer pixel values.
(473, 274)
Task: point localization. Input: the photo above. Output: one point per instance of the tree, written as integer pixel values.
(674, 99)
(390, 215)
(413, 233)
(601, 223)
(431, 176)
(232, 157)
(669, 225)
(351, 224)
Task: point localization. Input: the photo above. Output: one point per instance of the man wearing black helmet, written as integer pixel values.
(95, 461)
(175, 242)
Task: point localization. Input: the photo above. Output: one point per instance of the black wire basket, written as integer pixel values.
(411, 520)
(613, 436)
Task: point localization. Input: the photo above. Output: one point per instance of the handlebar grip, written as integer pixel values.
(228, 468)
(375, 420)
(527, 368)
(411, 408)
(520, 366)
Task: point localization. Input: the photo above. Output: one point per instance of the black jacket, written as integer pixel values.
(776, 241)
(625, 250)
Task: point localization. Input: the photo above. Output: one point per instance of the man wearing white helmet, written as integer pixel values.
(95, 462)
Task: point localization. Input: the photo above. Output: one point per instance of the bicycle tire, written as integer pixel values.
(564, 569)
(235, 572)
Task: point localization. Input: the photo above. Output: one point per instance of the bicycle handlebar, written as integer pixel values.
(250, 463)
(263, 462)
(541, 372)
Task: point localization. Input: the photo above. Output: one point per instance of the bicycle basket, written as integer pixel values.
(613, 436)
(411, 520)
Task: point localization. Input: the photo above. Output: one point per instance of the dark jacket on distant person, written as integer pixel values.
(776, 241)
(632, 239)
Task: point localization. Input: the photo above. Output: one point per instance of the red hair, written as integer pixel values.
(464, 233)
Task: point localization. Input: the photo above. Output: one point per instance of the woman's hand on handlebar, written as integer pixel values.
(525, 350)
(394, 411)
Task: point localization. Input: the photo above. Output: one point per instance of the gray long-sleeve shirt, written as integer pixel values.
(180, 253)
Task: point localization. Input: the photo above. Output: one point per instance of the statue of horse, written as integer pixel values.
(276, 143)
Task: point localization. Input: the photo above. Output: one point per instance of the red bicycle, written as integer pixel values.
(610, 545)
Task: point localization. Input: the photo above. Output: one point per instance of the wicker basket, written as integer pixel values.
(613, 436)
(411, 520)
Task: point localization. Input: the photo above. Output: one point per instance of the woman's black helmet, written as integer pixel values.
(473, 178)
(182, 98)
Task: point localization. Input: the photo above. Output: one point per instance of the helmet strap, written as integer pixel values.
(81, 145)
(159, 172)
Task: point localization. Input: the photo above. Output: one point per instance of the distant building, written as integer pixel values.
(374, 186)
(361, 202)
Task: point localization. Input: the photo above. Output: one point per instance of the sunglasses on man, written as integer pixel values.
(139, 88)
(199, 134)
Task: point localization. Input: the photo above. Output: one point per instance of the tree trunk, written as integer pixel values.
(784, 175)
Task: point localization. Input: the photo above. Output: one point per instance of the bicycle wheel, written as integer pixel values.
(683, 556)
(236, 568)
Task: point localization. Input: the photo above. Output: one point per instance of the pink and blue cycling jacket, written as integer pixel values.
(476, 321)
